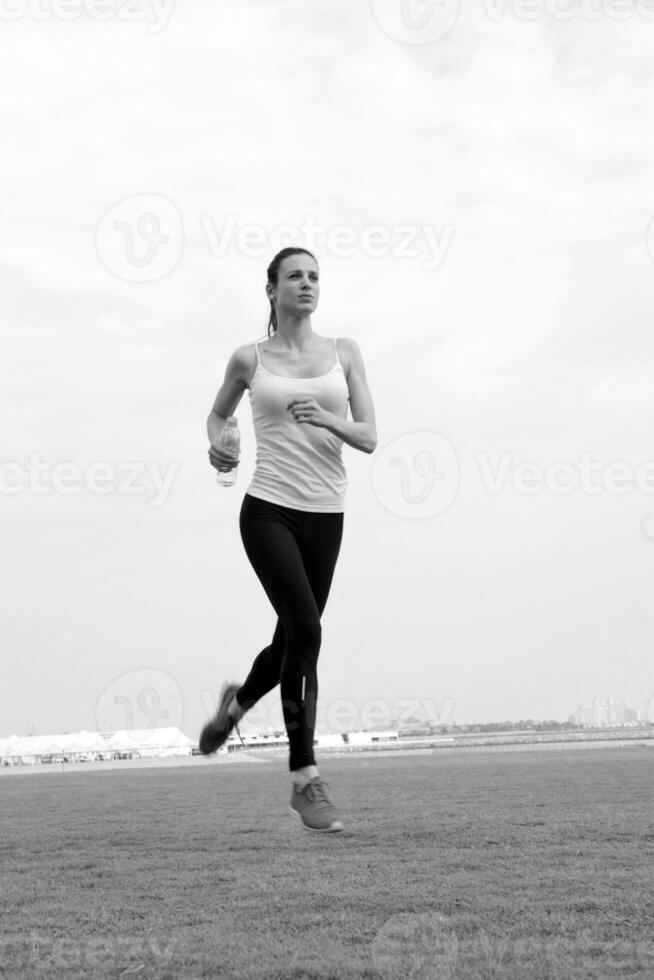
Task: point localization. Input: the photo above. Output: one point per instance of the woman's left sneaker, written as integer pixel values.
(216, 732)
(311, 804)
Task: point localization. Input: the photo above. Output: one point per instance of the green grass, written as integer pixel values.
(452, 866)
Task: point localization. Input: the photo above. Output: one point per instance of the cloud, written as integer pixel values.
(533, 335)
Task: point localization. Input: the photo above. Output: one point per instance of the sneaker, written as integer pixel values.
(312, 806)
(216, 732)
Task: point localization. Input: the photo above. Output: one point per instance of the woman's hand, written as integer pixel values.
(222, 460)
(307, 409)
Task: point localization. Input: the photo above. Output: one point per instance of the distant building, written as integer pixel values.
(257, 740)
(254, 740)
(368, 738)
(410, 727)
(605, 714)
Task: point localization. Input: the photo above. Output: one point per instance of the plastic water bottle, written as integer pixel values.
(230, 440)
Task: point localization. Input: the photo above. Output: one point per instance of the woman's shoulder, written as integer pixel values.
(347, 346)
(245, 359)
(350, 355)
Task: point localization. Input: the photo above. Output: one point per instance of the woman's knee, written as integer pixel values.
(305, 631)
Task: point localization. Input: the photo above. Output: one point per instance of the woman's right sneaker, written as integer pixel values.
(311, 804)
(216, 732)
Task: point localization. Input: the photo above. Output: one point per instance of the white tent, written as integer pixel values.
(151, 742)
(10, 750)
(76, 746)
(329, 740)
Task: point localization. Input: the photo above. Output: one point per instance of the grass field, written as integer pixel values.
(452, 866)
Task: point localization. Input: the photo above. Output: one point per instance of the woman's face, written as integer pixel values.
(298, 286)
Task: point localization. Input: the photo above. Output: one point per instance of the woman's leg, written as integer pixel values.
(320, 542)
(259, 516)
(319, 548)
(264, 673)
(293, 556)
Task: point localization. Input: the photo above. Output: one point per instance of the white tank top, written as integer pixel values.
(297, 464)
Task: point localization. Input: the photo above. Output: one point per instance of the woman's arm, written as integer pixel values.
(229, 395)
(361, 433)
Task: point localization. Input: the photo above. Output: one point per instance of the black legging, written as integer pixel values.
(294, 554)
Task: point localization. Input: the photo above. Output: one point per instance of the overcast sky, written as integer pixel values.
(478, 192)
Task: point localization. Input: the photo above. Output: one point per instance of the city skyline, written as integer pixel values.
(607, 713)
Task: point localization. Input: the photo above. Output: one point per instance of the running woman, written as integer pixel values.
(291, 517)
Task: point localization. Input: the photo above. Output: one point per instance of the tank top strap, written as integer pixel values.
(338, 360)
(256, 347)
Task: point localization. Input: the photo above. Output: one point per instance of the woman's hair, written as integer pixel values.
(273, 270)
